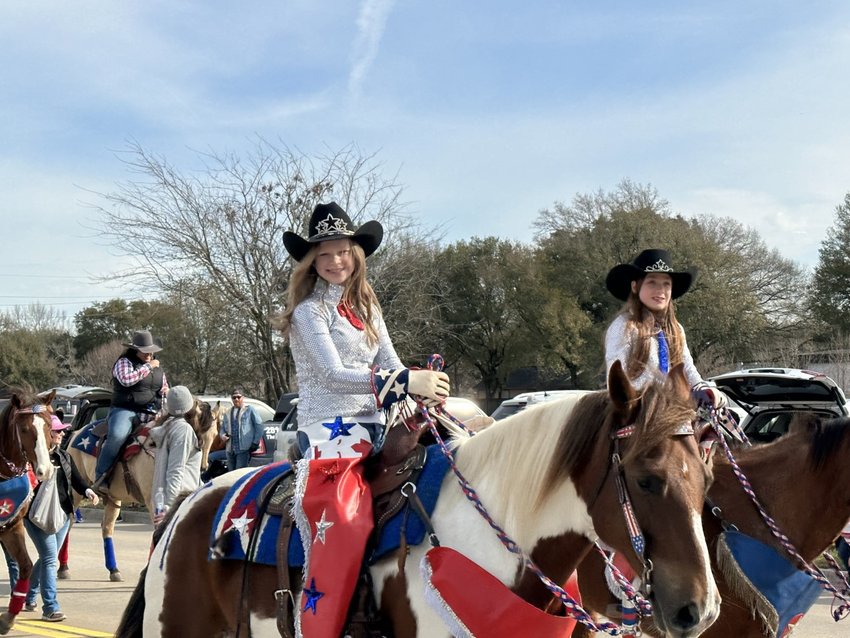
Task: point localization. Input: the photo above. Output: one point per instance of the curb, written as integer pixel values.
(95, 515)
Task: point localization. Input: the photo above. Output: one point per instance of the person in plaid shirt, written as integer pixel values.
(138, 388)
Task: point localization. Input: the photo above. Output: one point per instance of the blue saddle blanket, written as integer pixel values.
(14, 493)
(86, 441)
(789, 591)
(235, 520)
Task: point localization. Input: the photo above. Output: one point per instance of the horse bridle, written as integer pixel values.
(16, 471)
(636, 536)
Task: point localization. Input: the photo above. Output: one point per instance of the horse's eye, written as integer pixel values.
(651, 484)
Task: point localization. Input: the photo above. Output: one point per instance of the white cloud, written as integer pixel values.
(371, 22)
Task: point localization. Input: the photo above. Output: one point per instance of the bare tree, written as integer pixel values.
(221, 229)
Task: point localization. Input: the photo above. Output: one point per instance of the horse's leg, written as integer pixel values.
(16, 546)
(111, 510)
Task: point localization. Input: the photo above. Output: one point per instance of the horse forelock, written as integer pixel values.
(660, 413)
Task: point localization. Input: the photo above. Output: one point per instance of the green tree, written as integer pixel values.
(483, 320)
(830, 296)
(743, 293)
(218, 232)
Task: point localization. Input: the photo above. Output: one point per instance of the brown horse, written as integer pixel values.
(547, 477)
(801, 479)
(24, 436)
(134, 484)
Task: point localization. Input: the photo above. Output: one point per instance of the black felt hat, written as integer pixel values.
(654, 260)
(327, 222)
(143, 342)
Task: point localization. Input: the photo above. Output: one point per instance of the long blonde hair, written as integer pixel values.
(357, 292)
(647, 324)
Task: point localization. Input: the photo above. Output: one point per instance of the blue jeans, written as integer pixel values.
(44, 571)
(237, 460)
(120, 423)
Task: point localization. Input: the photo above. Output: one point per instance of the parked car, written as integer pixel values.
(67, 399)
(522, 401)
(771, 397)
(462, 409)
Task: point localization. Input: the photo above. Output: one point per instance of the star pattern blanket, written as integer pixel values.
(237, 515)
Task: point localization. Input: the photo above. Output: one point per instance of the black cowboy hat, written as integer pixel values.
(143, 342)
(327, 222)
(654, 260)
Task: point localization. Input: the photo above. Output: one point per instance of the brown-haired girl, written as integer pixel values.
(348, 372)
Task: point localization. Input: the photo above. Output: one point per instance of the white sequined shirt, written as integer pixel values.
(334, 361)
(619, 341)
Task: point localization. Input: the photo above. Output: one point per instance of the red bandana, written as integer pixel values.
(349, 313)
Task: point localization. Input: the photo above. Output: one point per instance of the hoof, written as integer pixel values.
(116, 577)
(7, 621)
(64, 573)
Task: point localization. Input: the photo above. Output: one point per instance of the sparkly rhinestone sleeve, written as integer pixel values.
(319, 356)
(691, 374)
(386, 357)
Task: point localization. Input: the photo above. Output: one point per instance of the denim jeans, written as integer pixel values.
(44, 571)
(120, 425)
(237, 460)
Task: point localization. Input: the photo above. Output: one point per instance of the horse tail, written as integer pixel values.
(132, 620)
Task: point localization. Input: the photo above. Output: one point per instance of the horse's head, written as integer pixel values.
(654, 463)
(205, 421)
(25, 434)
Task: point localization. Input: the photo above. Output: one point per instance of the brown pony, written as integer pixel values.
(134, 484)
(801, 480)
(547, 477)
(24, 436)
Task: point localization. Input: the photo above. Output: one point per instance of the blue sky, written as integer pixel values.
(489, 112)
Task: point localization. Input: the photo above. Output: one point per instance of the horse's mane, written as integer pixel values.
(202, 418)
(825, 437)
(518, 448)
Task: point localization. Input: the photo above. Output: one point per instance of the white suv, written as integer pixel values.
(522, 401)
(771, 397)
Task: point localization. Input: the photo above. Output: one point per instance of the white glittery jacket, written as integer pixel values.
(333, 360)
(619, 341)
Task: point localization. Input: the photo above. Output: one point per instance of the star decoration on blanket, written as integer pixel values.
(322, 527)
(398, 388)
(338, 428)
(313, 596)
(86, 442)
(6, 507)
(242, 524)
(383, 373)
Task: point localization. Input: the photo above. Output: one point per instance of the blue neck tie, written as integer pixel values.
(663, 353)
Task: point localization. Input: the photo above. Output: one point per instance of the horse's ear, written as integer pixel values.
(16, 401)
(48, 400)
(620, 390)
(678, 382)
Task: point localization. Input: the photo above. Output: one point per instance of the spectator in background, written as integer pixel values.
(47, 545)
(241, 430)
(177, 467)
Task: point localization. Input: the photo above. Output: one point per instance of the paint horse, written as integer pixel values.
(548, 476)
(801, 480)
(24, 436)
(131, 481)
